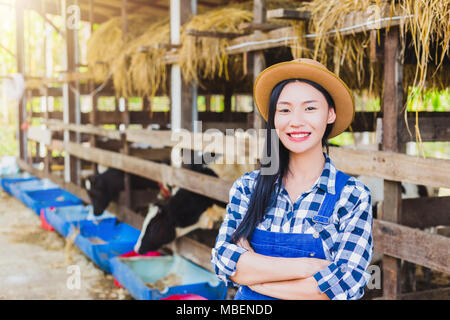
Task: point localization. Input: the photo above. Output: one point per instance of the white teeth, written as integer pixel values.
(299, 135)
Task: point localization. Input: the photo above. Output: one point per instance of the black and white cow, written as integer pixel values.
(179, 214)
(105, 187)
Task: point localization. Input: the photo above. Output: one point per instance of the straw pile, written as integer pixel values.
(143, 71)
(107, 43)
(426, 21)
(204, 59)
(423, 24)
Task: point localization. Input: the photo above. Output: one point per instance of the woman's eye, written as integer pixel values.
(283, 110)
(310, 108)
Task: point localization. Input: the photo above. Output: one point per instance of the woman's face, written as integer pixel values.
(301, 117)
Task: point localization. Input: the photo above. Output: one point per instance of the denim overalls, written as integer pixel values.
(293, 245)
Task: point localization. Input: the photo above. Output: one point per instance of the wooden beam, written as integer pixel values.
(290, 14)
(252, 26)
(212, 34)
(433, 125)
(433, 294)
(416, 246)
(50, 22)
(259, 64)
(381, 164)
(58, 125)
(199, 183)
(166, 46)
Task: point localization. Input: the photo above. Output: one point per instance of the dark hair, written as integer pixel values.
(265, 183)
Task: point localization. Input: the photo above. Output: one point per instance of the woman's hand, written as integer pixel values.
(245, 244)
(253, 268)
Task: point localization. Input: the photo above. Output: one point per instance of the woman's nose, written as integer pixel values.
(297, 119)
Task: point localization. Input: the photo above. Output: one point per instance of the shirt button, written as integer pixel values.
(315, 235)
(312, 254)
(342, 269)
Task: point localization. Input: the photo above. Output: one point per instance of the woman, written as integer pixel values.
(303, 230)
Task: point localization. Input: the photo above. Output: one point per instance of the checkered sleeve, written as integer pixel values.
(225, 254)
(346, 277)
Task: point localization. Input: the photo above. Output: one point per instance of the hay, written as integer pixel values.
(107, 43)
(69, 245)
(428, 25)
(205, 57)
(147, 70)
(171, 280)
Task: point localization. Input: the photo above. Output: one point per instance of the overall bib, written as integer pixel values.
(293, 245)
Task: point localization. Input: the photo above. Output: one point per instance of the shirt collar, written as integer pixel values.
(328, 177)
(326, 181)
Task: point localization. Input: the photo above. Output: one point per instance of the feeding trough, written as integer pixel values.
(155, 278)
(18, 189)
(101, 240)
(7, 180)
(62, 218)
(40, 199)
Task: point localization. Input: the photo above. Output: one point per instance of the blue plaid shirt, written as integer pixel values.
(347, 240)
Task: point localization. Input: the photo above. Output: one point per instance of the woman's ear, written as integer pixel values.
(331, 115)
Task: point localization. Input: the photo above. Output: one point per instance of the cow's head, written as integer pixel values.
(157, 230)
(97, 194)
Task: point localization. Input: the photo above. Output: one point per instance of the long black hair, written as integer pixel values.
(265, 183)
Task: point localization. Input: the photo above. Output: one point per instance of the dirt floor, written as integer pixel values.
(39, 264)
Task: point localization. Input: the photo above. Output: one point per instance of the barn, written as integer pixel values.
(153, 88)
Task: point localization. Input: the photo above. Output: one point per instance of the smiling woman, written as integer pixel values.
(303, 230)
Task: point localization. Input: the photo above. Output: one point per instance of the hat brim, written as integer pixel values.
(341, 94)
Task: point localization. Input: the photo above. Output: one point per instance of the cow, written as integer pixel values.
(177, 215)
(105, 187)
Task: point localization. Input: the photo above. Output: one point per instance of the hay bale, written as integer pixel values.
(107, 43)
(147, 71)
(205, 57)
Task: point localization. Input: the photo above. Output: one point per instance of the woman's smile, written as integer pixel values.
(298, 136)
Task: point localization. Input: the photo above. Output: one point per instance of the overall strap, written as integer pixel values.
(326, 209)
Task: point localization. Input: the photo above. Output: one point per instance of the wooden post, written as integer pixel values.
(259, 14)
(392, 105)
(20, 58)
(183, 108)
(146, 107)
(71, 96)
(47, 73)
(228, 94)
(125, 114)
(93, 116)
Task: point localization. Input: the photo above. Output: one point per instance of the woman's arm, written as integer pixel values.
(300, 289)
(253, 268)
(238, 264)
(346, 276)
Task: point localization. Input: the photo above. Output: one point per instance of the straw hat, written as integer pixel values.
(311, 70)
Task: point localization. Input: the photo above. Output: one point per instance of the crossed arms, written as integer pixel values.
(282, 278)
